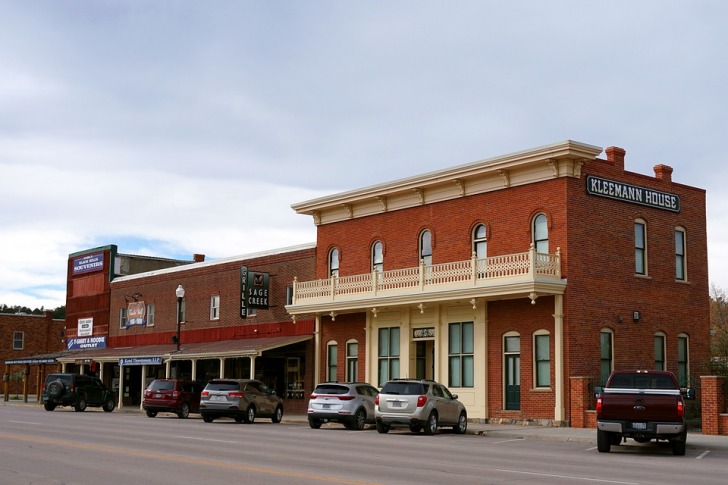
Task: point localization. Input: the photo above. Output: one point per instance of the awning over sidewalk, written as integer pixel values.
(199, 350)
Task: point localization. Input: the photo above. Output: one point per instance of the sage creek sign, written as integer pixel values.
(632, 193)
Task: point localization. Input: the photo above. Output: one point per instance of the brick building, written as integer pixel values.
(127, 324)
(508, 278)
(28, 335)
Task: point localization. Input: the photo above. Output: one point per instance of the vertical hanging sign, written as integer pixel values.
(243, 291)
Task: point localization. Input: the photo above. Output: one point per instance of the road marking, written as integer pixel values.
(206, 439)
(592, 448)
(703, 454)
(116, 451)
(24, 422)
(568, 477)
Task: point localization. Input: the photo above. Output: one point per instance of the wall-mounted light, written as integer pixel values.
(636, 316)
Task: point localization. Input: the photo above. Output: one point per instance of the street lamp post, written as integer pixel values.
(180, 292)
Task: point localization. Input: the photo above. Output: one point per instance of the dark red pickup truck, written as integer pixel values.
(642, 405)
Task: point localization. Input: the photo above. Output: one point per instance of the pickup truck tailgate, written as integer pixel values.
(647, 406)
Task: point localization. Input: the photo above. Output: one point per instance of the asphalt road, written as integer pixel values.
(65, 447)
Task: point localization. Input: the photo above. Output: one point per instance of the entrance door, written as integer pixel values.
(425, 359)
(512, 375)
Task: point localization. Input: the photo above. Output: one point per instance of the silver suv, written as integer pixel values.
(351, 404)
(419, 405)
(240, 399)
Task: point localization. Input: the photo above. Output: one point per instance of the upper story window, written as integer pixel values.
(640, 247)
(377, 257)
(122, 317)
(541, 234)
(18, 340)
(426, 247)
(480, 242)
(334, 262)
(680, 266)
(215, 307)
(151, 309)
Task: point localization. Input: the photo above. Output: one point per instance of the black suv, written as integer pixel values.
(76, 390)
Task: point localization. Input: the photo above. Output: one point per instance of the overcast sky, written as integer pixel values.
(177, 127)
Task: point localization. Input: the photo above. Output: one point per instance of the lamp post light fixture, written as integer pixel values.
(180, 292)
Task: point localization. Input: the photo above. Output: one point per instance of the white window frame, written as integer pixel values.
(332, 368)
(352, 359)
(425, 248)
(122, 317)
(536, 374)
(538, 243)
(640, 253)
(151, 310)
(215, 307)
(18, 340)
(681, 260)
(334, 260)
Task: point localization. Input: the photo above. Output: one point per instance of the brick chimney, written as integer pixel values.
(198, 258)
(663, 172)
(615, 156)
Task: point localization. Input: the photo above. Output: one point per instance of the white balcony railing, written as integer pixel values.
(474, 272)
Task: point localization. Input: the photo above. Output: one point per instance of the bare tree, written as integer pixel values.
(719, 328)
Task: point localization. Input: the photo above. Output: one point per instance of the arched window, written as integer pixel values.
(683, 360)
(680, 262)
(606, 354)
(542, 358)
(334, 262)
(660, 351)
(352, 361)
(480, 242)
(541, 234)
(377, 257)
(331, 359)
(426, 247)
(640, 247)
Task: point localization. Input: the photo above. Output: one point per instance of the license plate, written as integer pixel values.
(396, 404)
(157, 395)
(639, 425)
(217, 398)
(326, 406)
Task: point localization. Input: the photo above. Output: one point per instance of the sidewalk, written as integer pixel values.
(696, 440)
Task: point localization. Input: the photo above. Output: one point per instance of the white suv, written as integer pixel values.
(351, 404)
(419, 405)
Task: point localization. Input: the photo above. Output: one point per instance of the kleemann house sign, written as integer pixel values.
(635, 194)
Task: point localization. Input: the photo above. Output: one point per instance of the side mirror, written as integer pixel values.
(273, 393)
(597, 391)
(454, 396)
(690, 393)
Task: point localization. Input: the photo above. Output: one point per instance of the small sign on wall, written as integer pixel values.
(85, 327)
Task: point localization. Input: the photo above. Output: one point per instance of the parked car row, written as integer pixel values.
(414, 404)
(417, 404)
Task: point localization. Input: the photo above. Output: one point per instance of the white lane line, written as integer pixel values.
(24, 422)
(702, 455)
(567, 477)
(508, 441)
(592, 448)
(205, 439)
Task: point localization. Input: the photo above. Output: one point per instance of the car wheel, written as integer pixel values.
(431, 425)
(49, 406)
(604, 442)
(80, 405)
(55, 389)
(415, 428)
(382, 428)
(277, 415)
(108, 405)
(678, 445)
(360, 420)
(184, 411)
(462, 426)
(249, 416)
(151, 414)
(207, 419)
(314, 423)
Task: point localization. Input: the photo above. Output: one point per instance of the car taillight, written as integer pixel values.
(421, 401)
(175, 394)
(680, 408)
(599, 405)
(236, 394)
(205, 393)
(313, 396)
(376, 400)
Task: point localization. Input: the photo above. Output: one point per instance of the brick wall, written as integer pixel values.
(345, 328)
